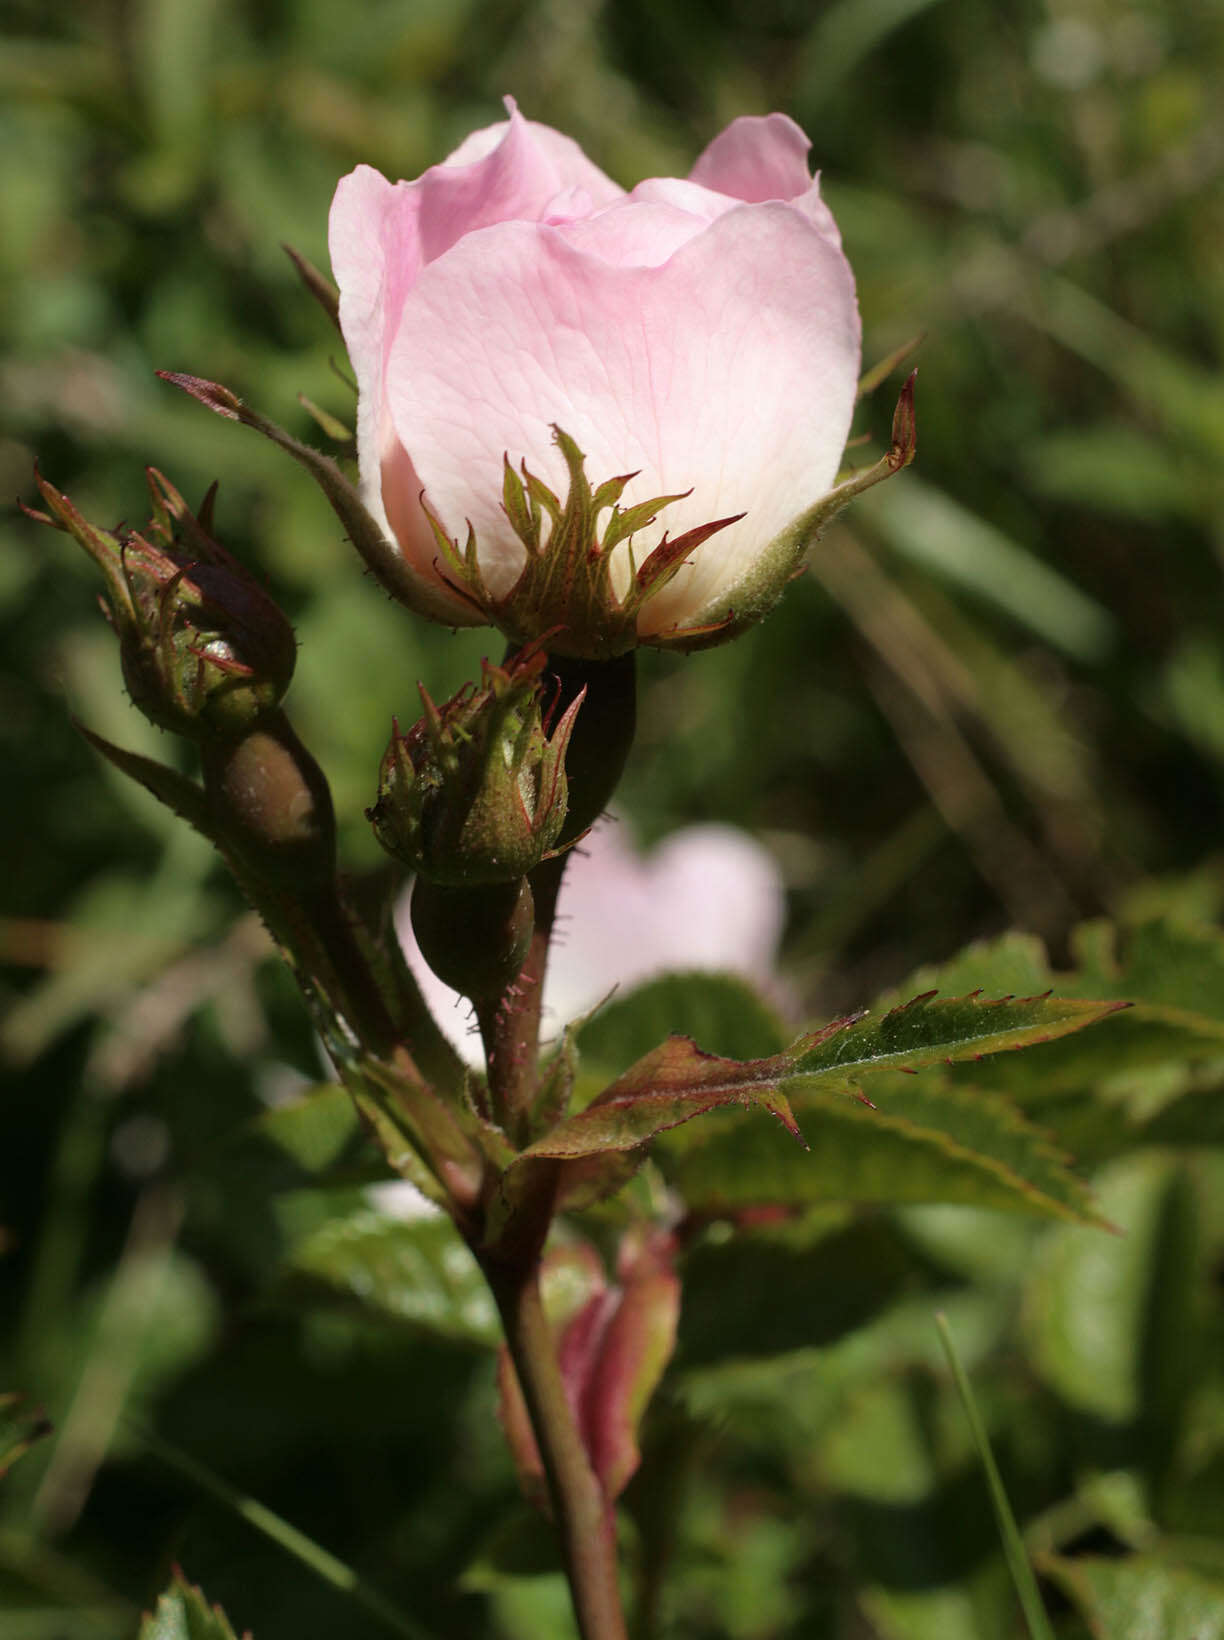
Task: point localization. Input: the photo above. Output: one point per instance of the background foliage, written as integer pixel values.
(996, 701)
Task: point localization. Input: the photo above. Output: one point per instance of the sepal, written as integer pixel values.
(476, 792)
(180, 795)
(206, 653)
(381, 557)
(317, 283)
(580, 589)
(756, 593)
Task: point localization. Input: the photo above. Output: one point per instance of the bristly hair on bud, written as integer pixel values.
(206, 653)
(475, 792)
(571, 586)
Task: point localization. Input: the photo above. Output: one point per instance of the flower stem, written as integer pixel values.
(510, 1027)
(584, 1517)
(273, 811)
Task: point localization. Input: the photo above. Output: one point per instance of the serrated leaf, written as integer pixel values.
(1171, 973)
(678, 1081)
(930, 1030)
(416, 1271)
(923, 1142)
(183, 1614)
(671, 1085)
(1139, 1599)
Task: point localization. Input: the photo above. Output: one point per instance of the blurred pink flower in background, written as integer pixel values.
(707, 897)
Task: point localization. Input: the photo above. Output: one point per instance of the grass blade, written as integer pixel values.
(1013, 1545)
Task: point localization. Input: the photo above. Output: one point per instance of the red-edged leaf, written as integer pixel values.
(669, 1086)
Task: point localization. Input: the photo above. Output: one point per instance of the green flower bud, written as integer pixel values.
(205, 651)
(476, 792)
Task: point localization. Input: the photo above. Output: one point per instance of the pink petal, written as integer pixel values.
(707, 897)
(570, 166)
(634, 234)
(730, 369)
(382, 235)
(758, 157)
(719, 900)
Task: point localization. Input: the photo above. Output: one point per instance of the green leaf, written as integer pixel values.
(720, 1011)
(416, 1271)
(678, 1081)
(923, 1142)
(1172, 974)
(1139, 1599)
(302, 1140)
(731, 1289)
(183, 1614)
(1170, 971)
(929, 1030)
(1108, 1321)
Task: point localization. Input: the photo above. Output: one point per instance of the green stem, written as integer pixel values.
(584, 1516)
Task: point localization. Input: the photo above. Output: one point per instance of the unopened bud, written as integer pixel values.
(475, 792)
(205, 651)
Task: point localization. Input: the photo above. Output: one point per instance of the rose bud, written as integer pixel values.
(475, 792)
(205, 651)
(597, 417)
(613, 1343)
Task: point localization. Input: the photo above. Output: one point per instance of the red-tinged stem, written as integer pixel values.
(598, 748)
(510, 1028)
(584, 1517)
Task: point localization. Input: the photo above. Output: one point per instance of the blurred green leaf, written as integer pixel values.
(1139, 1599)
(731, 1309)
(303, 1138)
(720, 1011)
(845, 33)
(1114, 468)
(1172, 974)
(1109, 1321)
(926, 1614)
(414, 1271)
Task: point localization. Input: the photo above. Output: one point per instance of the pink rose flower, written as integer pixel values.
(699, 334)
